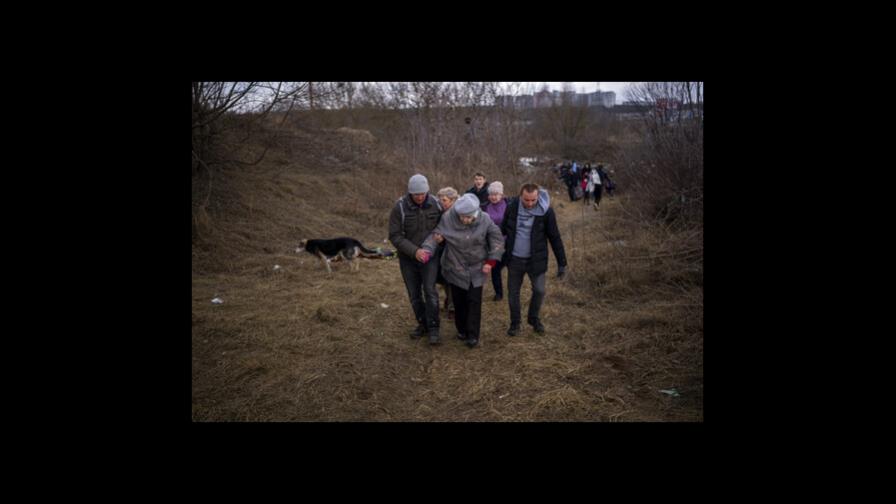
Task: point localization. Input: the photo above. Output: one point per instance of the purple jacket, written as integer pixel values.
(496, 212)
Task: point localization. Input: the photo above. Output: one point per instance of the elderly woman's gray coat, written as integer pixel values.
(467, 248)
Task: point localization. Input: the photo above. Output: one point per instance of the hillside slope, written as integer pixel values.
(297, 344)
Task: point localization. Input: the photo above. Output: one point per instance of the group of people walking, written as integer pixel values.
(586, 182)
(459, 241)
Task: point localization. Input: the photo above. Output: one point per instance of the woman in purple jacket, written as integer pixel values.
(495, 209)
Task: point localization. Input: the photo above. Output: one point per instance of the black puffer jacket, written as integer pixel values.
(408, 233)
(482, 194)
(544, 228)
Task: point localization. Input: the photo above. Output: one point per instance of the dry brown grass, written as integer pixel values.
(299, 345)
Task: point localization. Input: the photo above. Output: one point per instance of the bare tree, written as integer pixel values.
(667, 168)
(564, 122)
(215, 105)
(230, 121)
(446, 128)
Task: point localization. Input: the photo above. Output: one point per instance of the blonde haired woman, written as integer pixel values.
(447, 197)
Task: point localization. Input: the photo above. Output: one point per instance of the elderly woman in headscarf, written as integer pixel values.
(473, 245)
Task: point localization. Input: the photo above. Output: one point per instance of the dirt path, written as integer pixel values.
(295, 344)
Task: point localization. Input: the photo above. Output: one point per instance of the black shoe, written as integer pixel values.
(416, 333)
(514, 330)
(472, 342)
(498, 297)
(462, 337)
(537, 325)
(434, 338)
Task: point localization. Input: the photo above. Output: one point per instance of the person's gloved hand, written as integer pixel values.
(561, 272)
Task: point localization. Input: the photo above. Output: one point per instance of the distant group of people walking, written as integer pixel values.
(586, 182)
(459, 241)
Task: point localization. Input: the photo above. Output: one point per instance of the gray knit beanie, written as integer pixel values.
(418, 184)
(468, 204)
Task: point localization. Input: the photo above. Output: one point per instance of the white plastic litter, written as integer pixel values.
(383, 305)
(217, 301)
(671, 392)
(276, 267)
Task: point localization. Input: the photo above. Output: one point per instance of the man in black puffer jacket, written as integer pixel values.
(529, 223)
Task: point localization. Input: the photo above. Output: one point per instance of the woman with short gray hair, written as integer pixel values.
(495, 209)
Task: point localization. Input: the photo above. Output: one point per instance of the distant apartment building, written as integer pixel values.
(548, 98)
(602, 99)
(545, 99)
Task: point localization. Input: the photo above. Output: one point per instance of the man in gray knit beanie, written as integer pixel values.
(414, 216)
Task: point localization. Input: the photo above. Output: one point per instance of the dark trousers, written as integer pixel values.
(467, 310)
(449, 300)
(598, 189)
(572, 192)
(420, 280)
(496, 278)
(440, 279)
(516, 269)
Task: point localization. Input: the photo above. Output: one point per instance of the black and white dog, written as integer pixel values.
(344, 248)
